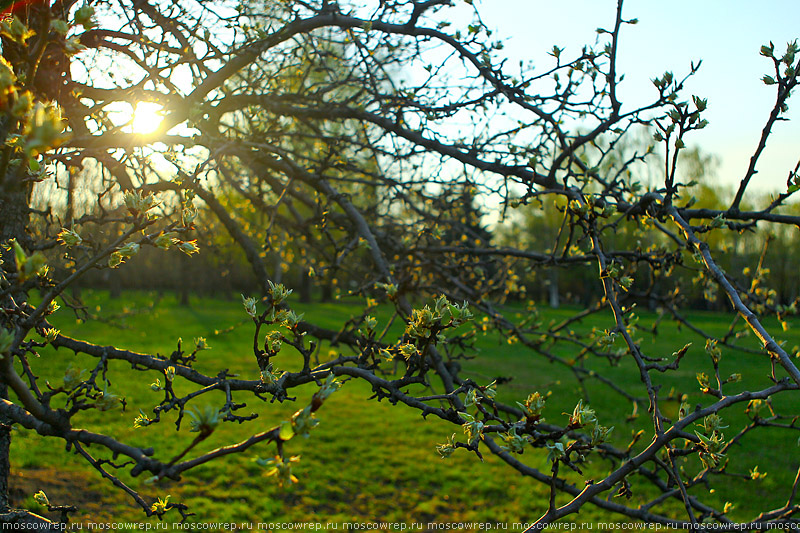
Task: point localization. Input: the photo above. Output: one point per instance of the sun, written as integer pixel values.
(146, 118)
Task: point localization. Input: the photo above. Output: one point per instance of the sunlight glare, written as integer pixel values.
(147, 118)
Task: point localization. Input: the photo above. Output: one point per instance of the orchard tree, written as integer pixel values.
(350, 134)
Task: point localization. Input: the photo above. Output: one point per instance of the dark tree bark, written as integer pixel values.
(5, 445)
(14, 198)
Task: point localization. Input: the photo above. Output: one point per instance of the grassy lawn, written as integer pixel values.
(370, 461)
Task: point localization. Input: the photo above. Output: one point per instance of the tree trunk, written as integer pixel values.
(5, 459)
(13, 225)
(305, 287)
(552, 287)
(183, 283)
(114, 286)
(327, 292)
(277, 267)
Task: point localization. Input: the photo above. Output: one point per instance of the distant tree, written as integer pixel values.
(350, 136)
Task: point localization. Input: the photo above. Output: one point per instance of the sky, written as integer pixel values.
(726, 35)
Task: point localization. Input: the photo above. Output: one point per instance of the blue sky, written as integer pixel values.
(726, 35)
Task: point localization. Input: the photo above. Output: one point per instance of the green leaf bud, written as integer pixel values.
(41, 498)
(69, 238)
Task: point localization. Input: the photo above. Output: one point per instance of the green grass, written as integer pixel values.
(370, 461)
